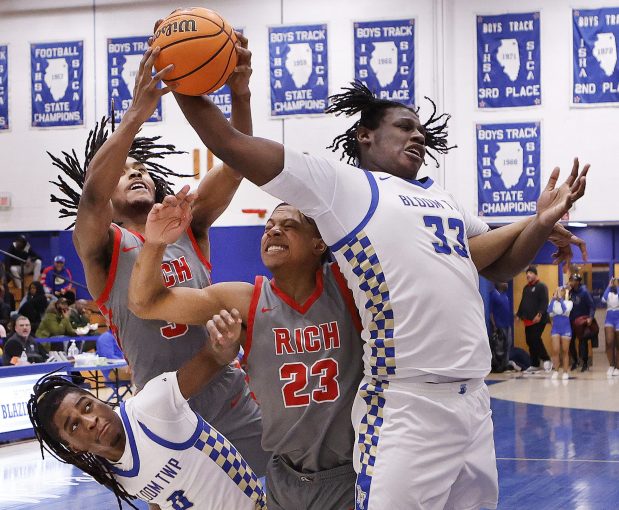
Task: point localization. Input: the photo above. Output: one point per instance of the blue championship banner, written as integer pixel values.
(222, 97)
(4, 87)
(123, 62)
(298, 69)
(508, 168)
(508, 60)
(57, 74)
(595, 73)
(385, 58)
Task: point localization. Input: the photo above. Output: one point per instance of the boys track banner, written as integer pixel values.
(4, 87)
(57, 77)
(123, 62)
(508, 60)
(595, 72)
(298, 69)
(385, 58)
(508, 169)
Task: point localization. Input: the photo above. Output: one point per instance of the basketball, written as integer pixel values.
(201, 45)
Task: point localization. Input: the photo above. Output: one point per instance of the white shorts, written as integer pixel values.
(424, 446)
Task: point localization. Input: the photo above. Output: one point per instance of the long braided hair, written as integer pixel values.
(145, 150)
(359, 99)
(48, 393)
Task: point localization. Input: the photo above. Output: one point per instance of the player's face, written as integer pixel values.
(135, 186)
(397, 146)
(88, 425)
(289, 240)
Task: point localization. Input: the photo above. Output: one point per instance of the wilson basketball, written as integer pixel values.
(201, 45)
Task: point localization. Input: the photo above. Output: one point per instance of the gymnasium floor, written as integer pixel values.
(557, 445)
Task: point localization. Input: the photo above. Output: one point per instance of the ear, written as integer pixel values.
(319, 246)
(364, 135)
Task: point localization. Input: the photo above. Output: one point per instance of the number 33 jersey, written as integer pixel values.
(304, 363)
(402, 246)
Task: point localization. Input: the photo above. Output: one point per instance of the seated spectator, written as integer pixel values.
(56, 323)
(79, 315)
(34, 304)
(107, 346)
(21, 249)
(5, 309)
(56, 279)
(22, 341)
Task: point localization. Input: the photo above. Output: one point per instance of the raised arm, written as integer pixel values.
(94, 216)
(553, 203)
(216, 190)
(149, 298)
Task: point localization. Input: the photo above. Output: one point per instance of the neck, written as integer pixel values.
(298, 284)
(137, 224)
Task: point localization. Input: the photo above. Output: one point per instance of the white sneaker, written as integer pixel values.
(547, 366)
(555, 375)
(532, 370)
(517, 368)
(565, 376)
(615, 372)
(610, 371)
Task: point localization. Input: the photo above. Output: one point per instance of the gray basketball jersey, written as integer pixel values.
(304, 364)
(153, 347)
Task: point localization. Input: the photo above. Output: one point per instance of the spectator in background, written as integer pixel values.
(611, 326)
(22, 341)
(56, 279)
(559, 309)
(532, 312)
(56, 323)
(21, 248)
(34, 304)
(582, 321)
(5, 309)
(79, 315)
(501, 319)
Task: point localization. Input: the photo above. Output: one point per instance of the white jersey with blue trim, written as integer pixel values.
(403, 247)
(174, 459)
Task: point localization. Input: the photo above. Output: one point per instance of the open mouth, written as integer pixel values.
(276, 248)
(138, 185)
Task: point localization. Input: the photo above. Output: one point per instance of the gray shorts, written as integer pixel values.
(287, 489)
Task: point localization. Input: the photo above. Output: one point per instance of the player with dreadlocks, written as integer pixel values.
(422, 411)
(152, 447)
(120, 180)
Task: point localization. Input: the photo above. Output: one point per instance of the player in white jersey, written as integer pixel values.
(152, 447)
(120, 180)
(422, 414)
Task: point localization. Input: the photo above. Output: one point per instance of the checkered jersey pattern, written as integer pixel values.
(369, 434)
(364, 262)
(220, 451)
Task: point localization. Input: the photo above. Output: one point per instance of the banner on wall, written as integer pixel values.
(222, 97)
(123, 62)
(595, 71)
(57, 75)
(508, 60)
(508, 168)
(385, 58)
(4, 87)
(299, 69)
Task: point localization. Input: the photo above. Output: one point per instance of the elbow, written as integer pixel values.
(140, 306)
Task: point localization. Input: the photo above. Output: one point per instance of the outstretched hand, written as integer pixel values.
(146, 91)
(238, 81)
(555, 202)
(563, 239)
(168, 220)
(224, 332)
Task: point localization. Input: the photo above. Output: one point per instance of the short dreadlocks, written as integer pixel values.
(359, 99)
(144, 149)
(49, 392)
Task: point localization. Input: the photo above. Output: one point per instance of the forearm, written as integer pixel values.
(194, 375)
(257, 159)
(487, 248)
(146, 286)
(520, 253)
(107, 166)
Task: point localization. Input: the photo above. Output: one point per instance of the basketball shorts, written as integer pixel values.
(612, 319)
(288, 489)
(561, 326)
(424, 446)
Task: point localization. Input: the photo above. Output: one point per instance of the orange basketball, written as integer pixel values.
(201, 45)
